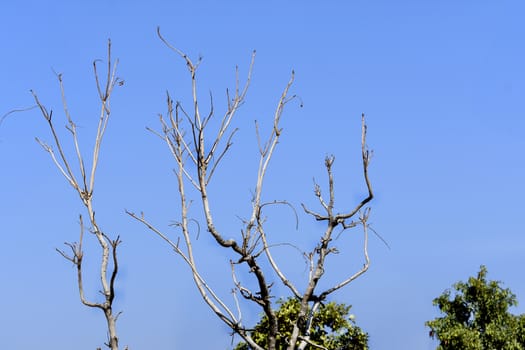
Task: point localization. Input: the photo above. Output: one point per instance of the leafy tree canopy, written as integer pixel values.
(333, 327)
(477, 317)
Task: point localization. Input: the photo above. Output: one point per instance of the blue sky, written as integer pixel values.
(442, 85)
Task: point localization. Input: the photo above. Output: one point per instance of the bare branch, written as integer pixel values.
(85, 192)
(179, 52)
(104, 114)
(278, 271)
(232, 109)
(73, 129)
(16, 110)
(267, 151)
(363, 219)
(114, 245)
(234, 294)
(317, 216)
(49, 149)
(366, 156)
(328, 162)
(245, 292)
(175, 123)
(203, 287)
(226, 148)
(68, 173)
(274, 265)
(379, 236)
(317, 191)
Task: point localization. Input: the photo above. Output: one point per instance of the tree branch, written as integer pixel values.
(85, 193)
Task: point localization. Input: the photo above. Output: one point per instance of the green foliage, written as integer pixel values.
(333, 327)
(477, 317)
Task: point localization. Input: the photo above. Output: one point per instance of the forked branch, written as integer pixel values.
(85, 189)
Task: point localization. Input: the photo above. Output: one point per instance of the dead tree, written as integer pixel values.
(84, 186)
(197, 156)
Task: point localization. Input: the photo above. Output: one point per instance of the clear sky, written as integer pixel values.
(442, 84)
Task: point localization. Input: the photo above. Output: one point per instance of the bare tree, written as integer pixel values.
(84, 186)
(198, 155)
